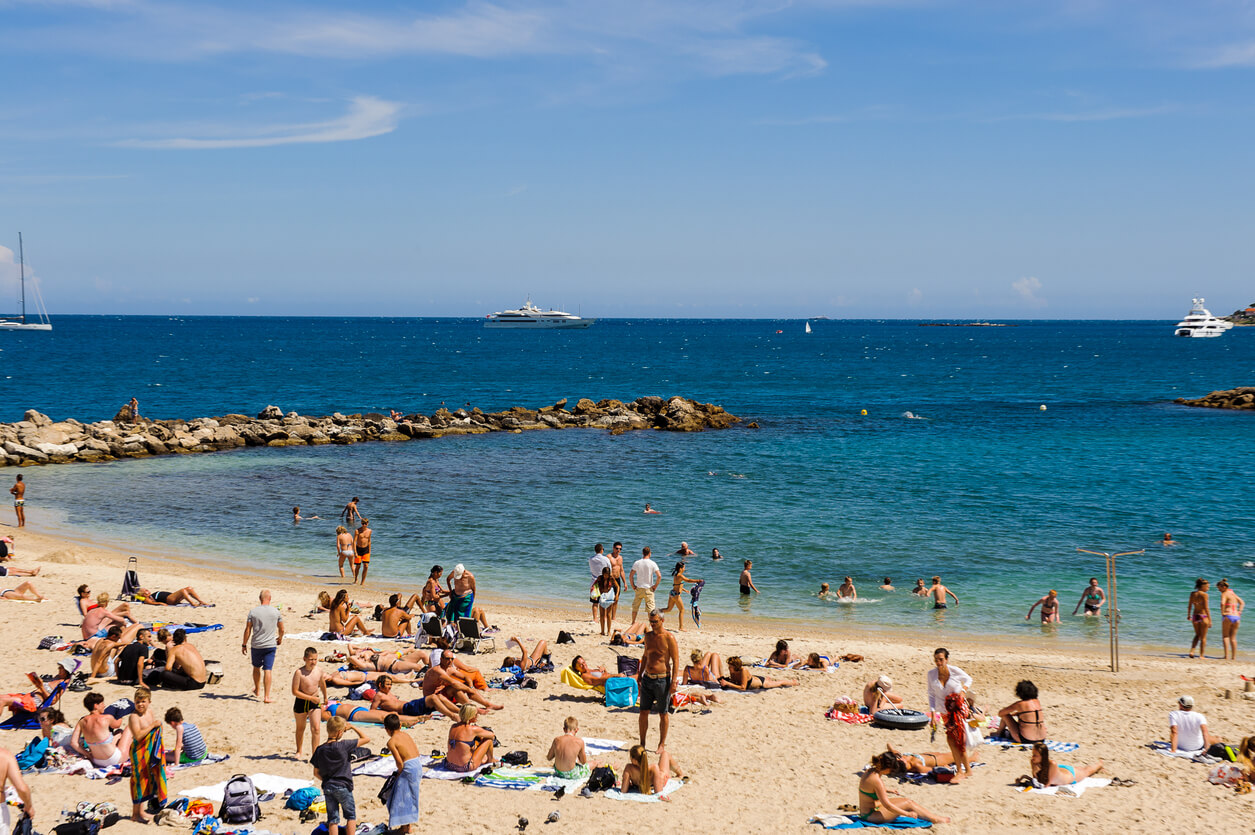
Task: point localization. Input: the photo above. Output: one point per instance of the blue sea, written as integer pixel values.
(986, 488)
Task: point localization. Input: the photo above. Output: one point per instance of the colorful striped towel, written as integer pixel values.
(849, 718)
(850, 822)
(517, 780)
(148, 768)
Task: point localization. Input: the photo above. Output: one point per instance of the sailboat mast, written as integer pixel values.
(21, 258)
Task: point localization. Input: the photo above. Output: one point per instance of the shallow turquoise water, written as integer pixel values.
(991, 492)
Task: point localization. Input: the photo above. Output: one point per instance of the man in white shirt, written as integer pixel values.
(1189, 729)
(596, 563)
(644, 578)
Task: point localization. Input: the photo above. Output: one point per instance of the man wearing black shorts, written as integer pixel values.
(656, 677)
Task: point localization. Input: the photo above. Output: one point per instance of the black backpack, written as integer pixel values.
(239, 801)
(601, 779)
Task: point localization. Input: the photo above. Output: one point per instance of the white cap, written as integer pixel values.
(885, 682)
(1186, 701)
(70, 665)
(458, 571)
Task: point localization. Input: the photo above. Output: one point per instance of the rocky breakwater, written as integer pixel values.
(1239, 398)
(37, 439)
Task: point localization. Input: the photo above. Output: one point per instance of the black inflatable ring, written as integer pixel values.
(902, 719)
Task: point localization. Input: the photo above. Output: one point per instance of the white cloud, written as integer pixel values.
(915, 296)
(367, 116)
(1028, 287)
(1105, 115)
(1233, 55)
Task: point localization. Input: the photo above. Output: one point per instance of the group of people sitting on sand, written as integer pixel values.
(403, 620)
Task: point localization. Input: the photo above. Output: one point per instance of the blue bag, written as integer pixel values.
(302, 799)
(621, 692)
(33, 755)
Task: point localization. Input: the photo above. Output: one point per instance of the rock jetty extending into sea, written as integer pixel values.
(39, 440)
(1239, 398)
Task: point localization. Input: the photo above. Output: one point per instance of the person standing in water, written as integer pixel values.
(747, 582)
(1049, 608)
(1093, 597)
(19, 501)
(1231, 607)
(350, 513)
(939, 592)
(1198, 613)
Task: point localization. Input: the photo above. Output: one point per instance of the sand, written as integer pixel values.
(759, 763)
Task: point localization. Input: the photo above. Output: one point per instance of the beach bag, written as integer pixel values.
(621, 692)
(77, 827)
(628, 665)
(130, 580)
(33, 755)
(302, 799)
(239, 801)
(1224, 752)
(516, 758)
(601, 779)
(564, 637)
(49, 641)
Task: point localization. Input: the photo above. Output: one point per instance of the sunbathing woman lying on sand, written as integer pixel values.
(876, 804)
(902, 763)
(187, 594)
(356, 678)
(372, 660)
(23, 591)
(528, 661)
(364, 714)
(1049, 774)
(642, 777)
(14, 571)
(739, 678)
(633, 635)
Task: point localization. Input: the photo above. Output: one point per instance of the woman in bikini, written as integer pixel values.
(372, 660)
(739, 678)
(187, 595)
(606, 584)
(344, 547)
(529, 662)
(1199, 614)
(633, 635)
(1049, 608)
(876, 804)
(24, 591)
(1048, 774)
(921, 763)
(1021, 720)
(344, 622)
(782, 658)
(705, 669)
(596, 676)
(641, 777)
(1093, 597)
(1231, 607)
(674, 601)
(359, 713)
(470, 746)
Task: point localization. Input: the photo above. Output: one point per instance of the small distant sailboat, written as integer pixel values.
(21, 322)
(808, 327)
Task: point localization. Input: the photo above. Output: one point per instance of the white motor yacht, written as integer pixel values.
(531, 317)
(1200, 322)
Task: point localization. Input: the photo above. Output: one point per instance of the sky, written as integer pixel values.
(669, 158)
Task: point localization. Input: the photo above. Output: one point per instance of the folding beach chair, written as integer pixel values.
(470, 639)
(431, 628)
(130, 580)
(22, 720)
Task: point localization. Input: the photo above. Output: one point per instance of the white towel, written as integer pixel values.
(262, 782)
(603, 746)
(1075, 790)
(673, 785)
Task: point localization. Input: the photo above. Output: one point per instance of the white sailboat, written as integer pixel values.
(21, 322)
(808, 327)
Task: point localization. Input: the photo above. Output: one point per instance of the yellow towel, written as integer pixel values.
(572, 679)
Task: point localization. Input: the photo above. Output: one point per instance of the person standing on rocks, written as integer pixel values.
(361, 542)
(19, 501)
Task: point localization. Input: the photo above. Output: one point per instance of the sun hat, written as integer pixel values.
(458, 571)
(885, 682)
(1186, 701)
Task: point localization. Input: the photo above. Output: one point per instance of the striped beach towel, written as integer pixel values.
(148, 768)
(1057, 747)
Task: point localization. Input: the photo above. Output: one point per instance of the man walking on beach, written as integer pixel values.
(262, 635)
(644, 578)
(657, 677)
(596, 563)
(19, 501)
(361, 541)
(939, 593)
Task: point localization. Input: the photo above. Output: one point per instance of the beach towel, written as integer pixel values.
(603, 746)
(263, 783)
(208, 759)
(1057, 747)
(189, 628)
(148, 768)
(403, 804)
(673, 786)
(573, 679)
(439, 772)
(850, 822)
(379, 767)
(849, 718)
(1074, 790)
(510, 778)
(1200, 756)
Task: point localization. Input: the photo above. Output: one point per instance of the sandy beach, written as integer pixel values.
(759, 762)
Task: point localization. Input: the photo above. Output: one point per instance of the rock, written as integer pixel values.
(270, 413)
(37, 418)
(1239, 398)
(584, 406)
(25, 452)
(57, 449)
(155, 446)
(393, 436)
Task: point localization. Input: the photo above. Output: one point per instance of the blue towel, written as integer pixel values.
(403, 804)
(897, 823)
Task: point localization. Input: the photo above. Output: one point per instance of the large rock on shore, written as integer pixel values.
(38, 440)
(1239, 398)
